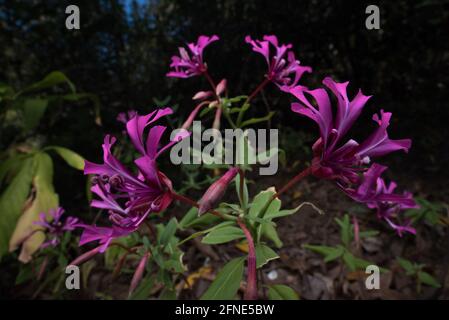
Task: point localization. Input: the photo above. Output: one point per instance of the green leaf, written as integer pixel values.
(12, 200)
(426, 278)
(227, 282)
(281, 292)
(223, 235)
(10, 166)
(245, 190)
(199, 233)
(44, 199)
(269, 231)
(143, 291)
(345, 230)
(329, 253)
(264, 254)
(72, 158)
(257, 120)
(188, 218)
(167, 294)
(33, 110)
(52, 79)
(282, 213)
(407, 265)
(168, 232)
(260, 202)
(349, 260)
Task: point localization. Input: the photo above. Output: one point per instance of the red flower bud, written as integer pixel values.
(216, 191)
(138, 273)
(85, 256)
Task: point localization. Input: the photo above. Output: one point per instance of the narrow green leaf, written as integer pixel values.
(426, 278)
(188, 218)
(329, 253)
(257, 120)
(227, 282)
(142, 292)
(52, 79)
(223, 235)
(407, 265)
(168, 232)
(245, 190)
(199, 233)
(72, 158)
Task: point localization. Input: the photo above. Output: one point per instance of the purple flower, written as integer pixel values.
(190, 63)
(283, 68)
(376, 194)
(333, 158)
(129, 198)
(55, 228)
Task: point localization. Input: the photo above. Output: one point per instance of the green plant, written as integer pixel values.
(344, 251)
(26, 168)
(416, 270)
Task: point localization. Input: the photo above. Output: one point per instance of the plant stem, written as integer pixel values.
(212, 84)
(250, 97)
(258, 88)
(294, 181)
(251, 282)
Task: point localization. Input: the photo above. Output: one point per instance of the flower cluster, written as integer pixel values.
(129, 198)
(190, 63)
(346, 162)
(283, 68)
(55, 227)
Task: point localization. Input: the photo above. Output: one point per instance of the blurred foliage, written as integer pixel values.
(26, 168)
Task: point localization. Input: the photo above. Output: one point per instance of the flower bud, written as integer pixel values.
(138, 273)
(216, 191)
(221, 87)
(201, 95)
(85, 256)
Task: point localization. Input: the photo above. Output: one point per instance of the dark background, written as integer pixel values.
(123, 49)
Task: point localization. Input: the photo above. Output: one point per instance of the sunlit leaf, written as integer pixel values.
(72, 158)
(12, 201)
(45, 199)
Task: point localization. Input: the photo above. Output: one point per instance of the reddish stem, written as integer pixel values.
(251, 282)
(212, 83)
(256, 91)
(294, 181)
